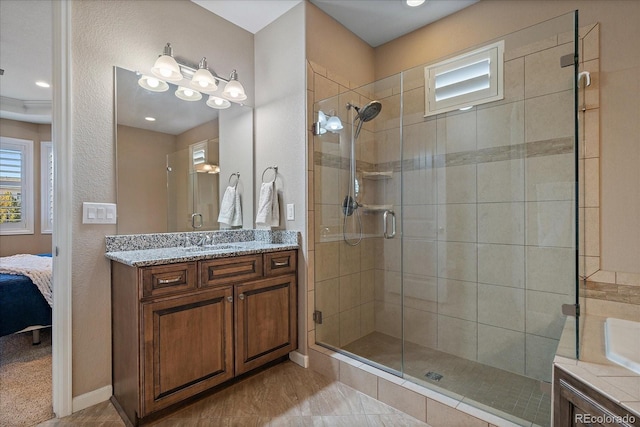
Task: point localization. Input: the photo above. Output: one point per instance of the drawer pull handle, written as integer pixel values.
(169, 281)
(241, 296)
(230, 299)
(280, 263)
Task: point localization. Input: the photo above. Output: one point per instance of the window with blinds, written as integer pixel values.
(46, 187)
(198, 155)
(16, 186)
(466, 80)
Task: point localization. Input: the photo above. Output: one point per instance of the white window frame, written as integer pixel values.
(493, 54)
(198, 155)
(27, 190)
(46, 187)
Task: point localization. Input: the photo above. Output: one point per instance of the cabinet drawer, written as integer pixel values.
(277, 263)
(223, 271)
(166, 279)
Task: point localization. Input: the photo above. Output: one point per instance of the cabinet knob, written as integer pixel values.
(230, 299)
(241, 296)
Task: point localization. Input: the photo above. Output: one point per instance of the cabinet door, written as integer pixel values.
(187, 346)
(266, 324)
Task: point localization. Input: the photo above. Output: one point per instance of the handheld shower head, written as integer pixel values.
(369, 111)
(366, 113)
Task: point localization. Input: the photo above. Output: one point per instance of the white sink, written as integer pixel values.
(622, 343)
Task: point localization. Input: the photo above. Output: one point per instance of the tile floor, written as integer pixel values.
(283, 395)
(491, 387)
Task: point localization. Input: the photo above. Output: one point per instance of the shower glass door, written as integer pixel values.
(358, 283)
(453, 270)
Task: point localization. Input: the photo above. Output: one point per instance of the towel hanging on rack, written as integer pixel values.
(231, 207)
(268, 207)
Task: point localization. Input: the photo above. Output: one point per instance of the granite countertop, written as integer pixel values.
(167, 248)
(616, 382)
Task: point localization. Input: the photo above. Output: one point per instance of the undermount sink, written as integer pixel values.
(207, 248)
(622, 342)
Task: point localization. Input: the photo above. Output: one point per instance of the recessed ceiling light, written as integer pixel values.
(42, 84)
(414, 3)
(150, 119)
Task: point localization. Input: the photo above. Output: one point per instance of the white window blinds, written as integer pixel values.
(16, 186)
(465, 80)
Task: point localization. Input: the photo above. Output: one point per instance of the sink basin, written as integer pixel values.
(622, 342)
(207, 248)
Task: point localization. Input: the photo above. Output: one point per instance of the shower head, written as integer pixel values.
(369, 111)
(366, 113)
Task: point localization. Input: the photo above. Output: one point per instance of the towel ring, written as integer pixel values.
(237, 175)
(275, 174)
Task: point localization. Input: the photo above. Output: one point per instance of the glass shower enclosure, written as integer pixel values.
(445, 255)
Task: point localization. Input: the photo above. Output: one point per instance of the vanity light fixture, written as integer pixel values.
(326, 123)
(187, 94)
(153, 84)
(207, 168)
(334, 124)
(217, 102)
(202, 79)
(166, 67)
(233, 89)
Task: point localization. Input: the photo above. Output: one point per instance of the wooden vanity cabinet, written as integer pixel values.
(181, 329)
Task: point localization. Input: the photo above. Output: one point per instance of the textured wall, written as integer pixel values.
(280, 135)
(128, 34)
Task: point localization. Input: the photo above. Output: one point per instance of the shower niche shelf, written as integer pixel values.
(377, 175)
(377, 208)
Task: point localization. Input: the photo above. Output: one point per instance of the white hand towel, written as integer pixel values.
(237, 212)
(228, 206)
(268, 208)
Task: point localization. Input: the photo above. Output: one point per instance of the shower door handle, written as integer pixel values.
(385, 218)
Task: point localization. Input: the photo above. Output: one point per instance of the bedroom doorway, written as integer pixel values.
(28, 371)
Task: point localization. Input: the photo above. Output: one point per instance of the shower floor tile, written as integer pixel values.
(510, 393)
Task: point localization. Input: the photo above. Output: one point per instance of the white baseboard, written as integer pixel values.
(299, 359)
(92, 398)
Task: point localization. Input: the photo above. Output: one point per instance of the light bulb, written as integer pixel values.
(188, 92)
(165, 72)
(153, 82)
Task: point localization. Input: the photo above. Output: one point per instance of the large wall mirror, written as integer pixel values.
(169, 152)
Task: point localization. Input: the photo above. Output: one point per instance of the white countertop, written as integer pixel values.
(618, 383)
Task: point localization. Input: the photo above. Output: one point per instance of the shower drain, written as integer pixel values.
(433, 376)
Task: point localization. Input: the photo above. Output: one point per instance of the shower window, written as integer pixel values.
(463, 81)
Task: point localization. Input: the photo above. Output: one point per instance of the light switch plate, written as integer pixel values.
(291, 212)
(99, 213)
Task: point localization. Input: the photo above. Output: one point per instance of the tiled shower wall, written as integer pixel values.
(488, 218)
(489, 187)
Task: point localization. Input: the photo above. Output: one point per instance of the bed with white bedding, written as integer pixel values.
(26, 293)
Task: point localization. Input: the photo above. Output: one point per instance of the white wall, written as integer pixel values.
(129, 34)
(280, 119)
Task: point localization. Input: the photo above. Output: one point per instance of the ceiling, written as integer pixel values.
(25, 34)
(25, 57)
(374, 21)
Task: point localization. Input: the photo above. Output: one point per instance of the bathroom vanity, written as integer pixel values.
(188, 319)
(593, 390)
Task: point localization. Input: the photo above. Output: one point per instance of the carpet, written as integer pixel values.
(25, 380)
